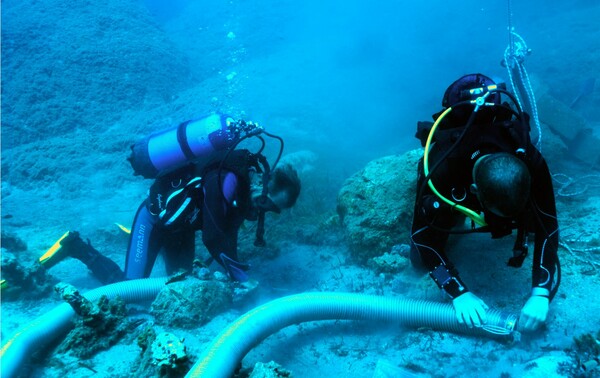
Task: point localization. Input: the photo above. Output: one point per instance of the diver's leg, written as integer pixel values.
(179, 251)
(102, 267)
(144, 244)
(105, 269)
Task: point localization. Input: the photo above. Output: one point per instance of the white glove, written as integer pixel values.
(470, 310)
(535, 311)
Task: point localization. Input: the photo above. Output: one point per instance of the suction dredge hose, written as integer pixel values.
(57, 322)
(222, 356)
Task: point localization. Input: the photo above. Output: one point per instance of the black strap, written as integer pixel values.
(260, 230)
(520, 249)
(183, 141)
(260, 226)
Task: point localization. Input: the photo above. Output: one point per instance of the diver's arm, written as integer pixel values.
(545, 257)
(219, 222)
(469, 309)
(430, 243)
(429, 240)
(545, 269)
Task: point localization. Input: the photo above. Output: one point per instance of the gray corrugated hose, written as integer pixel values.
(223, 355)
(55, 323)
(225, 352)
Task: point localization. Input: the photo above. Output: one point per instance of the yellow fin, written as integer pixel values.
(55, 247)
(123, 228)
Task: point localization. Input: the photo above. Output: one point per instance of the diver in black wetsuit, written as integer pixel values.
(214, 197)
(213, 200)
(479, 160)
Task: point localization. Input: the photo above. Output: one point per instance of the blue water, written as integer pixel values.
(345, 80)
(354, 75)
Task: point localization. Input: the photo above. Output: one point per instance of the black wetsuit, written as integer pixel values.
(453, 179)
(217, 209)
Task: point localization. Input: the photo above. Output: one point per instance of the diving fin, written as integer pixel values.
(53, 255)
(123, 228)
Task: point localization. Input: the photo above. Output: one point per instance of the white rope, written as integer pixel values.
(570, 187)
(514, 59)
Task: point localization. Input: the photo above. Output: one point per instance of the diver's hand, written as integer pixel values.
(535, 311)
(470, 310)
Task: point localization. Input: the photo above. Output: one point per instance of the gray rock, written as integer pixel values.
(163, 355)
(168, 351)
(375, 205)
(391, 263)
(191, 303)
(269, 370)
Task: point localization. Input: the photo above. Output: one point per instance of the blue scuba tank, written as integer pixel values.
(190, 141)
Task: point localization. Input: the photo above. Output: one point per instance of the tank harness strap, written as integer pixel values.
(520, 250)
(183, 141)
(228, 136)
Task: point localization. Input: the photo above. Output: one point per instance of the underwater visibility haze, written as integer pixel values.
(344, 84)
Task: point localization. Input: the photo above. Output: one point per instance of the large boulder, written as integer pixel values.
(375, 205)
(192, 302)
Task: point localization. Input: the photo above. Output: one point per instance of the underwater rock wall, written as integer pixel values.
(566, 55)
(375, 205)
(576, 134)
(78, 65)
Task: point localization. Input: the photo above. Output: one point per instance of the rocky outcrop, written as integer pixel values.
(375, 205)
(192, 302)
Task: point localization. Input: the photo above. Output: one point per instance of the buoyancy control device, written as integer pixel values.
(190, 141)
(462, 94)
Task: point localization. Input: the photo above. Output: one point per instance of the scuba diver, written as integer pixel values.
(479, 163)
(202, 182)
